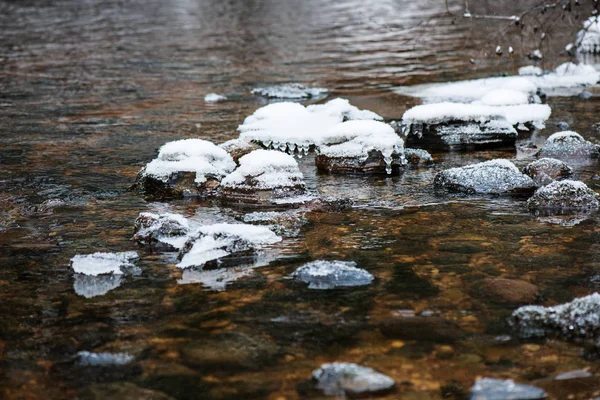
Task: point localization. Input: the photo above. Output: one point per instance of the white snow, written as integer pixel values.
(214, 97)
(530, 70)
(504, 97)
(268, 169)
(293, 127)
(588, 39)
(102, 263)
(190, 155)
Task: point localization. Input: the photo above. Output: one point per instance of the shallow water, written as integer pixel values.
(90, 90)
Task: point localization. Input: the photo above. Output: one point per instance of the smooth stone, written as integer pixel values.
(511, 291)
(340, 379)
(496, 389)
(563, 197)
(546, 170)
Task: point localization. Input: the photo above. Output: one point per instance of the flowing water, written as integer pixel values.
(90, 89)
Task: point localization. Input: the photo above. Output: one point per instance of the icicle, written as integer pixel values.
(268, 144)
(388, 164)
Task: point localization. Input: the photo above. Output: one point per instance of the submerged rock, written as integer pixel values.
(189, 167)
(292, 91)
(496, 389)
(576, 320)
(332, 274)
(162, 232)
(417, 157)
(340, 379)
(360, 147)
(263, 176)
(546, 170)
(102, 263)
(90, 359)
(489, 177)
(568, 144)
(563, 197)
(238, 148)
(510, 291)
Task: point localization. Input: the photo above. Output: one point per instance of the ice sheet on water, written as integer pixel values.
(323, 274)
(342, 378)
(292, 91)
(496, 389)
(292, 127)
(90, 359)
(214, 97)
(588, 38)
(189, 155)
(91, 286)
(265, 169)
(102, 263)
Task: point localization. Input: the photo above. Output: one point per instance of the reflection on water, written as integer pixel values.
(89, 91)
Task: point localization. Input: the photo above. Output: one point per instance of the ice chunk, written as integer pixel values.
(496, 389)
(292, 91)
(563, 196)
(265, 169)
(167, 228)
(90, 359)
(568, 144)
(341, 378)
(489, 177)
(102, 263)
(214, 97)
(219, 240)
(214, 279)
(287, 126)
(531, 70)
(588, 39)
(92, 286)
(322, 274)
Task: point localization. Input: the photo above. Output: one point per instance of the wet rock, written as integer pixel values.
(576, 320)
(341, 379)
(546, 170)
(328, 204)
(120, 391)
(238, 148)
(230, 350)
(563, 197)
(510, 291)
(360, 147)
(568, 144)
(90, 359)
(489, 177)
(416, 157)
(496, 389)
(161, 232)
(322, 274)
(562, 125)
(585, 95)
(185, 168)
(263, 177)
(291, 91)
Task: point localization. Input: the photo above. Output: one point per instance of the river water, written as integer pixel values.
(90, 89)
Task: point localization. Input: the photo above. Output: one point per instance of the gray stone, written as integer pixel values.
(340, 379)
(568, 144)
(546, 170)
(332, 274)
(496, 389)
(563, 197)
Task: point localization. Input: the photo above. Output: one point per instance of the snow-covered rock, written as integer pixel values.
(568, 144)
(290, 91)
(322, 274)
(530, 70)
(547, 170)
(578, 319)
(489, 177)
(238, 148)
(214, 98)
(163, 232)
(283, 223)
(417, 157)
(496, 389)
(588, 39)
(294, 128)
(341, 378)
(263, 175)
(102, 263)
(360, 146)
(563, 196)
(188, 167)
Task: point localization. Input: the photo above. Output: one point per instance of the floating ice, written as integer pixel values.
(322, 274)
(92, 286)
(214, 279)
(102, 263)
(341, 378)
(578, 319)
(496, 389)
(563, 196)
(90, 359)
(568, 144)
(294, 128)
(214, 97)
(489, 177)
(292, 91)
(546, 170)
(588, 39)
(168, 229)
(220, 240)
(189, 155)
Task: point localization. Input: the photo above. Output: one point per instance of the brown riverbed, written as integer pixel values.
(90, 90)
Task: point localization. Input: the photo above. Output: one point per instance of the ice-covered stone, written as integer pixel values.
(562, 197)
(496, 389)
(489, 177)
(588, 38)
(238, 148)
(163, 232)
(92, 286)
(191, 167)
(576, 320)
(213, 242)
(322, 274)
(360, 146)
(284, 223)
(547, 170)
(214, 98)
(568, 144)
(291, 91)
(417, 157)
(90, 359)
(294, 128)
(341, 378)
(102, 263)
(263, 175)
